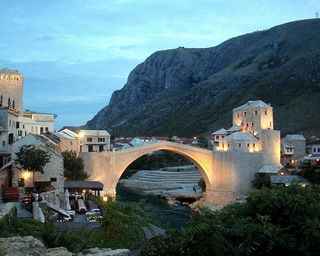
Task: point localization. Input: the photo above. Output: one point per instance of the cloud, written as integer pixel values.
(76, 52)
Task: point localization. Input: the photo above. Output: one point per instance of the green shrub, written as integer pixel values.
(277, 221)
(122, 228)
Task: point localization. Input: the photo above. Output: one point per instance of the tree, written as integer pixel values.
(203, 142)
(261, 180)
(311, 172)
(272, 221)
(32, 159)
(73, 166)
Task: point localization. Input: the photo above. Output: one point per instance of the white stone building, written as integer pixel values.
(16, 127)
(68, 140)
(14, 122)
(251, 145)
(94, 140)
(293, 149)
(84, 140)
(53, 172)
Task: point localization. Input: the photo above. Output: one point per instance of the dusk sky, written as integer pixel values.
(75, 53)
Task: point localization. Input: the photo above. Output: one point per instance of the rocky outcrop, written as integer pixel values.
(192, 91)
(29, 246)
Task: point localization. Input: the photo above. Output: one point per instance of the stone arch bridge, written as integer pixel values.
(107, 167)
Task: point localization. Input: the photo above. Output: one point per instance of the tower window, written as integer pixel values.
(245, 113)
(266, 112)
(256, 112)
(9, 102)
(239, 145)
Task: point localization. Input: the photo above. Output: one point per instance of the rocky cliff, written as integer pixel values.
(192, 91)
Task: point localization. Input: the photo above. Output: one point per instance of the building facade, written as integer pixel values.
(53, 173)
(16, 123)
(16, 127)
(293, 149)
(251, 145)
(94, 141)
(82, 141)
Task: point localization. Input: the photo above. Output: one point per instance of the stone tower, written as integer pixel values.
(11, 89)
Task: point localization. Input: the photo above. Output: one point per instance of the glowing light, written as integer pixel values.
(26, 175)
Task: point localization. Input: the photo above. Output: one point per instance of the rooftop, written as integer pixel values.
(86, 184)
(67, 134)
(220, 131)
(286, 179)
(28, 111)
(93, 133)
(270, 169)
(241, 136)
(295, 137)
(252, 104)
(9, 71)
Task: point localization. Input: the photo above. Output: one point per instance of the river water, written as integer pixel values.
(165, 215)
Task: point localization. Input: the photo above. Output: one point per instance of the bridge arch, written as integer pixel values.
(108, 167)
(198, 165)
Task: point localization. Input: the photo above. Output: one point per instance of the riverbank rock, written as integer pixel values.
(30, 246)
(104, 252)
(59, 251)
(22, 246)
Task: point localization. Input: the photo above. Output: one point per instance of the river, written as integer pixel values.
(165, 215)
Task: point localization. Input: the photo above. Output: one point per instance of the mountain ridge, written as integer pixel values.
(190, 91)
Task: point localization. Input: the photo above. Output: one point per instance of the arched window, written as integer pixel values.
(1, 100)
(13, 104)
(9, 102)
